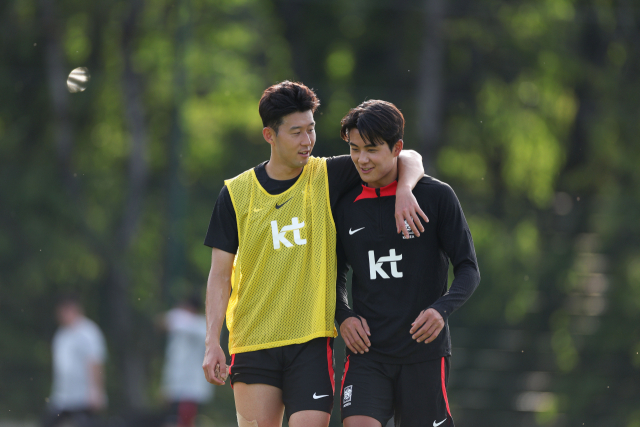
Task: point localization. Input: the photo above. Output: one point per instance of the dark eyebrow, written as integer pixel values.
(300, 127)
(368, 145)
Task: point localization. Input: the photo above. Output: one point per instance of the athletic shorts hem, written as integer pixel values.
(328, 409)
(256, 379)
(275, 344)
(356, 413)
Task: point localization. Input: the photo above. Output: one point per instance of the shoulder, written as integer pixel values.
(243, 176)
(317, 162)
(348, 199)
(89, 329)
(248, 173)
(429, 186)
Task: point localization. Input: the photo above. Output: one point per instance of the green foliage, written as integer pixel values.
(539, 140)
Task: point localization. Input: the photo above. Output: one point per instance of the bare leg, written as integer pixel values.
(309, 418)
(361, 421)
(261, 403)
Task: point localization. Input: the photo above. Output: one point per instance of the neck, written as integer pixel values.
(277, 169)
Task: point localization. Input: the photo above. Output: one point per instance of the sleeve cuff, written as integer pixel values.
(442, 310)
(342, 315)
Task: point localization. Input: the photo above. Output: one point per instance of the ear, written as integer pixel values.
(269, 135)
(397, 148)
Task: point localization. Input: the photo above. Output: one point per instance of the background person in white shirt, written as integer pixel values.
(78, 352)
(183, 384)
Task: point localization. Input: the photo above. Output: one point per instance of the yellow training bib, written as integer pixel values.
(283, 286)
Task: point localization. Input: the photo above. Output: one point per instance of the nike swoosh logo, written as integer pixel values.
(437, 424)
(279, 206)
(318, 397)
(354, 231)
(257, 210)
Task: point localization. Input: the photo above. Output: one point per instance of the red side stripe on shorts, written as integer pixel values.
(344, 375)
(444, 388)
(233, 360)
(332, 375)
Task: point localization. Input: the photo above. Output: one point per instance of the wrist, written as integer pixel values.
(211, 343)
(403, 187)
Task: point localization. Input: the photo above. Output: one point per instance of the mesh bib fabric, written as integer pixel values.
(283, 285)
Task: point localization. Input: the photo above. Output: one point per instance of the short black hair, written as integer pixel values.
(377, 121)
(283, 99)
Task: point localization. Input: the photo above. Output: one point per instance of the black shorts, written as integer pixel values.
(414, 394)
(304, 373)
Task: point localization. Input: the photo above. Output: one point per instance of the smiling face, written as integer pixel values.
(294, 141)
(377, 164)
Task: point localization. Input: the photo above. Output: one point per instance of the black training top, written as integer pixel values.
(223, 226)
(394, 278)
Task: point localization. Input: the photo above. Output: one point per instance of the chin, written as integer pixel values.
(367, 179)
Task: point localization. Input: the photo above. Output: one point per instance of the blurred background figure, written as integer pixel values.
(183, 382)
(78, 352)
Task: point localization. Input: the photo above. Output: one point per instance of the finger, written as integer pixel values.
(363, 337)
(357, 346)
(425, 332)
(365, 325)
(430, 335)
(436, 332)
(422, 330)
(416, 221)
(350, 346)
(403, 222)
(422, 214)
(412, 225)
(417, 324)
(210, 376)
(225, 372)
(358, 342)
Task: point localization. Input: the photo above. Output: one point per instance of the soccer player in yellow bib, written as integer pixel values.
(273, 267)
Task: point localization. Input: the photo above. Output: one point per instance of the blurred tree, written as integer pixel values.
(527, 108)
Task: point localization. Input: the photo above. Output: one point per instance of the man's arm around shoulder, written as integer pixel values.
(410, 171)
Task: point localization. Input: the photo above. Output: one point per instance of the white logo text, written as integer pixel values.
(375, 267)
(278, 235)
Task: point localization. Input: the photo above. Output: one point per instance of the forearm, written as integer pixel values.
(216, 306)
(343, 311)
(410, 169)
(217, 298)
(467, 279)
(97, 395)
(98, 376)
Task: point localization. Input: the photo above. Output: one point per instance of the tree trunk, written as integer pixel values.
(431, 83)
(129, 359)
(57, 78)
(177, 193)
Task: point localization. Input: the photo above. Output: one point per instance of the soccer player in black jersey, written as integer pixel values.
(273, 247)
(398, 343)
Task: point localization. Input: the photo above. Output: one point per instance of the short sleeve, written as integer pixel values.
(223, 226)
(95, 348)
(343, 176)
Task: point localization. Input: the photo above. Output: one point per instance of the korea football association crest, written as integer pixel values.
(346, 396)
(409, 230)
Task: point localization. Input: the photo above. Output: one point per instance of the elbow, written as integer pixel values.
(477, 278)
(414, 154)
